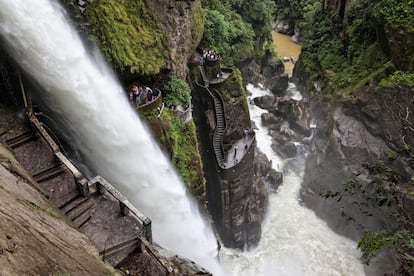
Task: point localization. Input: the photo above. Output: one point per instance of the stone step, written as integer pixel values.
(77, 212)
(83, 218)
(49, 173)
(21, 139)
(66, 199)
(71, 205)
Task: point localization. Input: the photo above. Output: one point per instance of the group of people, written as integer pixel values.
(139, 95)
(210, 55)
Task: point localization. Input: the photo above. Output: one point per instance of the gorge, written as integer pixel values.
(347, 136)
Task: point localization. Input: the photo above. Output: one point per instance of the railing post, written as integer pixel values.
(124, 209)
(83, 187)
(147, 229)
(100, 188)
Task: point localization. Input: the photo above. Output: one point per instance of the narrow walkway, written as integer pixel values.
(220, 126)
(240, 147)
(239, 150)
(97, 216)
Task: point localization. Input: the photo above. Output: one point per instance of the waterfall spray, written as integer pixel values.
(107, 130)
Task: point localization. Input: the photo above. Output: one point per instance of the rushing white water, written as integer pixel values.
(107, 129)
(294, 240)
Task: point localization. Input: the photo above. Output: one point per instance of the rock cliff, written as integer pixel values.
(35, 238)
(236, 196)
(363, 130)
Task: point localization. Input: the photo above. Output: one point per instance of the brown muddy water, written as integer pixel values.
(286, 48)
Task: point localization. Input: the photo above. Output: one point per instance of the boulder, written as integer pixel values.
(277, 84)
(287, 150)
(274, 180)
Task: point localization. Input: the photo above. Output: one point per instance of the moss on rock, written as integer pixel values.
(182, 140)
(128, 35)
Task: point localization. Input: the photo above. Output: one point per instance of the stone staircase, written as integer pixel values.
(50, 173)
(79, 210)
(220, 118)
(220, 126)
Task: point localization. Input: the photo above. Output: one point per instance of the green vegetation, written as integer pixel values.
(177, 93)
(237, 29)
(357, 50)
(323, 48)
(288, 9)
(259, 15)
(128, 35)
(228, 35)
(398, 78)
(402, 241)
(370, 44)
(197, 24)
(397, 13)
(385, 191)
(185, 156)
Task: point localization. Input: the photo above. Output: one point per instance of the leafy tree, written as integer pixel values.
(397, 13)
(243, 33)
(398, 78)
(259, 15)
(288, 9)
(228, 35)
(177, 93)
(216, 30)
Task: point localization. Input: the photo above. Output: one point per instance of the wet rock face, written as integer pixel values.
(287, 150)
(244, 203)
(277, 84)
(268, 71)
(364, 129)
(283, 27)
(182, 24)
(263, 169)
(35, 239)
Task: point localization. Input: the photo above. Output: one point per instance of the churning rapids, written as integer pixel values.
(294, 240)
(117, 145)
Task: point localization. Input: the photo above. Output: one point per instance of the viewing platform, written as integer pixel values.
(155, 104)
(212, 75)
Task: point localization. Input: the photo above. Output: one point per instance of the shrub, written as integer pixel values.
(397, 79)
(177, 93)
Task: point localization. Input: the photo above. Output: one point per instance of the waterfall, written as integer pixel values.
(294, 240)
(109, 133)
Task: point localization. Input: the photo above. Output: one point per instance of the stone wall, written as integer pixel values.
(236, 197)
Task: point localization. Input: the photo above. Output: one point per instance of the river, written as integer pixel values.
(294, 240)
(286, 48)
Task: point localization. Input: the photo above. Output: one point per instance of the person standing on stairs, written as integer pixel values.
(235, 152)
